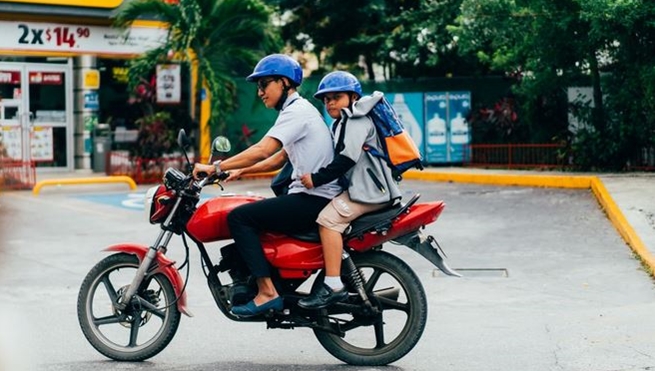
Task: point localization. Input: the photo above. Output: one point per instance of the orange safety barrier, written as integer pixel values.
(543, 156)
(513, 156)
(17, 174)
(143, 171)
(645, 161)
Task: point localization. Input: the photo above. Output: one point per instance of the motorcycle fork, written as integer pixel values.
(165, 236)
(160, 245)
(144, 267)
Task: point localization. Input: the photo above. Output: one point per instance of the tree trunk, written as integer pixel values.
(598, 115)
(369, 67)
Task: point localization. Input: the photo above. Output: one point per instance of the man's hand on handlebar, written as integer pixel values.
(202, 170)
(234, 175)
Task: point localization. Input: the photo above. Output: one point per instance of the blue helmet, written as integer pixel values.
(277, 65)
(338, 81)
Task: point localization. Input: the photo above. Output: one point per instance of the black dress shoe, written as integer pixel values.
(323, 297)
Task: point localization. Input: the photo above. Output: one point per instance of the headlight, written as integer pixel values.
(173, 177)
(159, 203)
(150, 195)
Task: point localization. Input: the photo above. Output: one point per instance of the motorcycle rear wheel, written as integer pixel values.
(136, 333)
(378, 339)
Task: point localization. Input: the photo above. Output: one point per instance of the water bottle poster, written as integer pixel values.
(436, 127)
(459, 105)
(409, 107)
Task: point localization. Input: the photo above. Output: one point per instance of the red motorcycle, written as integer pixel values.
(130, 303)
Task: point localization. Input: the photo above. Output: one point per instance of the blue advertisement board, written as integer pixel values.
(459, 105)
(436, 127)
(446, 129)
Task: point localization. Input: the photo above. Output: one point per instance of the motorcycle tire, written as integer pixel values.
(127, 335)
(377, 339)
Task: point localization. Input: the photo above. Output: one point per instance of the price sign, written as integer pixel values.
(56, 36)
(41, 142)
(11, 142)
(78, 39)
(169, 89)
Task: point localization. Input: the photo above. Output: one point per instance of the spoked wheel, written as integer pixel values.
(387, 331)
(140, 331)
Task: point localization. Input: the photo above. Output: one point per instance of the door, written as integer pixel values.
(41, 105)
(14, 125)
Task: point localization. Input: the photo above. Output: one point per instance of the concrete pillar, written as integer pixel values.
(85, 109)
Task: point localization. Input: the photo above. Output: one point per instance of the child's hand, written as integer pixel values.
(306, 181)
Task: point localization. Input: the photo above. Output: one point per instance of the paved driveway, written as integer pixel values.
(549, 285)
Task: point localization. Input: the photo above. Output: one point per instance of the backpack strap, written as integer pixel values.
(342, 133)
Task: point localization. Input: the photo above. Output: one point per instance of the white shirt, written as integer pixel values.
(308, 143)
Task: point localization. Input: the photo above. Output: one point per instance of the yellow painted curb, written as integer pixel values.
(551, 181)
(597, 187)
(76, 181)
(621, 224)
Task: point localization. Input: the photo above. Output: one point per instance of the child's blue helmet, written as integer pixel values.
(277, 65)
(338, 81)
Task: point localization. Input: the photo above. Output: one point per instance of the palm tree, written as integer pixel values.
(222, 38)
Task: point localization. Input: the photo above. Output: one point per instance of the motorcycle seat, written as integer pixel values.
(308, 236)
(372, 220)
(376, 221)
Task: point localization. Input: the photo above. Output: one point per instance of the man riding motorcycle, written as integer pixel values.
(299, 136)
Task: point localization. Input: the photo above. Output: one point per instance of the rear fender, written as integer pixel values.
(428, 248)
(165, 266)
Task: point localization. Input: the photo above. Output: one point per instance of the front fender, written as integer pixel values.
(165, 266)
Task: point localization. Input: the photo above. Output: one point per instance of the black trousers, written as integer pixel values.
(286, 214)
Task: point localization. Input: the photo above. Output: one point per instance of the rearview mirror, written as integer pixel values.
(221, 144)
(182, 139)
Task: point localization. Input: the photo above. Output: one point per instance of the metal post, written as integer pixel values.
(85, 109)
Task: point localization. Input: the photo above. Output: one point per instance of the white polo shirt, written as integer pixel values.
(308, 143)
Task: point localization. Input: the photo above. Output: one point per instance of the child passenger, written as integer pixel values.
(367, 181)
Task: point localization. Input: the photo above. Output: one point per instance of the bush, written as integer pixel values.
(155, 137)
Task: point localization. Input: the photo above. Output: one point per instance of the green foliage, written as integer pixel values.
(550, 45)
(225, 38)
(154, 137)
(409, 38)
(420, 43)
(337, 31)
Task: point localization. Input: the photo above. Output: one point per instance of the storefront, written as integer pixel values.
(49, 77)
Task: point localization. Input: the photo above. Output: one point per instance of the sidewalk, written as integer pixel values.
(635, 196)
(628, 199)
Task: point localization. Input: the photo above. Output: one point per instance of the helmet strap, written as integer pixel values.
(352, 98)
(284, 96)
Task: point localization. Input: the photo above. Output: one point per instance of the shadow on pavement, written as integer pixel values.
(223, 366)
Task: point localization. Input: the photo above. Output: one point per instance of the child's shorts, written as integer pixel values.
(338, 214)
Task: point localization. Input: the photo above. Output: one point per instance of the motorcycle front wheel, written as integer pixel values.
(141, 330)
(394, 325)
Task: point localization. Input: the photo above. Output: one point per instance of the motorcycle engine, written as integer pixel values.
(243, 287)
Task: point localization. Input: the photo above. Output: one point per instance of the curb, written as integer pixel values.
(77, 181)
(593, 183)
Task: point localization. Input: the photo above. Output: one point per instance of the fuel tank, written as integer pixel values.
(209, 223)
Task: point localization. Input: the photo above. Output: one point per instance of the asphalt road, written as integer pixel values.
(549, 285)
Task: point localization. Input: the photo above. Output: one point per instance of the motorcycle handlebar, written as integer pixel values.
(223, 175)
(210, 179)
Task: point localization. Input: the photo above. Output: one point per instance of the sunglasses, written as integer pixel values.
(263, 84)
(332, 97)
